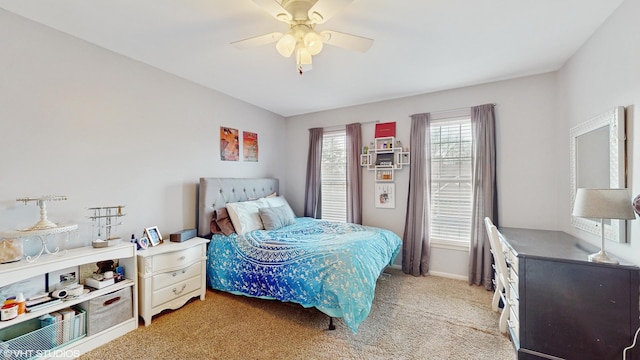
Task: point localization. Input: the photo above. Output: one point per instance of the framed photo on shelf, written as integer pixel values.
(153, 234)
(385, 195)
(59, 279)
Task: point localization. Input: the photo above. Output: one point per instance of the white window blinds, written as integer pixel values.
(334, 176)
(451, 190)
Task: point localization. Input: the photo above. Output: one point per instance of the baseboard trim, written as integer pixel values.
(447, 275)
(435, 273)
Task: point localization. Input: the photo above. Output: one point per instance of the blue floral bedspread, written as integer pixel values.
(328, 265)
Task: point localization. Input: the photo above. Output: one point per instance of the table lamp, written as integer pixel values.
(603, 204)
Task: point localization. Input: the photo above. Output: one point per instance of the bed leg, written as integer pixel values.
(331, 326)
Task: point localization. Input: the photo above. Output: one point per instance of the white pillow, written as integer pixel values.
(245, 215)
(276, 201)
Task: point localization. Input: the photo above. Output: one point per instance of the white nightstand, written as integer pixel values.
(170, 274)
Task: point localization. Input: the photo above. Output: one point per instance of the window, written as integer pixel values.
(451, 188)
(333, 174)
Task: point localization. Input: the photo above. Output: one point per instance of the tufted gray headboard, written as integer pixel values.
(215, 193)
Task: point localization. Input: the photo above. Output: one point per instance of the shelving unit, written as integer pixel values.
(386, 156)
(125, 253)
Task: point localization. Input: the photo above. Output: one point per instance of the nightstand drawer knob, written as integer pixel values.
(181, 258)
(175, 273)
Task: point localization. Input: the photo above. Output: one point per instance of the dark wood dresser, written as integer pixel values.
(564, 307)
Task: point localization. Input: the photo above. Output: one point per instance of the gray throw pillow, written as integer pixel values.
(276, 217)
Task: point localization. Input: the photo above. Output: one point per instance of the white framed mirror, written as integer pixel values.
(598, 161)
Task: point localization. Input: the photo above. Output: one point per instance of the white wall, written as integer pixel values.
(81, 121)
(601, 75)
(527, 156)
(534, 115)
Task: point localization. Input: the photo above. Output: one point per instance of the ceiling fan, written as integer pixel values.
(302, 16)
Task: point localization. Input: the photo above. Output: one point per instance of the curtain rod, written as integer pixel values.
(452, 110)
(340, 127)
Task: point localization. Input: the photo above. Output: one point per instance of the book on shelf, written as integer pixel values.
(50, 321)
(58, 316)
(98, 284)
(67, 324)
(39, 300)
(387, 129)
(79, 328)
(43, 304)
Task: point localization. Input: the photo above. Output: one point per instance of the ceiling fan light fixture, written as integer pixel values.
(283, 17)
(316, 17)
(303, 57)
(286, 45)
(302, 16)
(313, 42)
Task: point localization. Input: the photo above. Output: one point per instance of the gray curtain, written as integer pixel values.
(354, 174)
(485, 195)
(312, 203)
(415, 246)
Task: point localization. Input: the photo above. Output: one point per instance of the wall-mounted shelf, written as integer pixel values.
(384, 158)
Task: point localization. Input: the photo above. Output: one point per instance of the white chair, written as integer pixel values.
(501, 279)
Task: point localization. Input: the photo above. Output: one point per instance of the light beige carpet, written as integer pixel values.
(411, 318)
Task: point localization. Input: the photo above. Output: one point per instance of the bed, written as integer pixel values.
(327, 265)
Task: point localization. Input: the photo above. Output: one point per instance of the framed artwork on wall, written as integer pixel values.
(385, 195)
(229, 144)
(250, 146)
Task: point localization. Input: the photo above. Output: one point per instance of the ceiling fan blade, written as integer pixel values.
(347, 41)
(257, 40)
(276, 10)
(323, 10)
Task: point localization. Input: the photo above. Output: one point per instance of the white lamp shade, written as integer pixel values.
(302, 56)
(313, 42)
(603, 204)
(286, 45)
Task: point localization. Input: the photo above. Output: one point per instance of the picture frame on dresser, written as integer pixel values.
(154, 236)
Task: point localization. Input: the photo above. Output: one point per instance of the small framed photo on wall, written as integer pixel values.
(154, 236)
(385, 195)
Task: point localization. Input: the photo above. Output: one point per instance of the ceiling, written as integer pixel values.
(420, 46)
